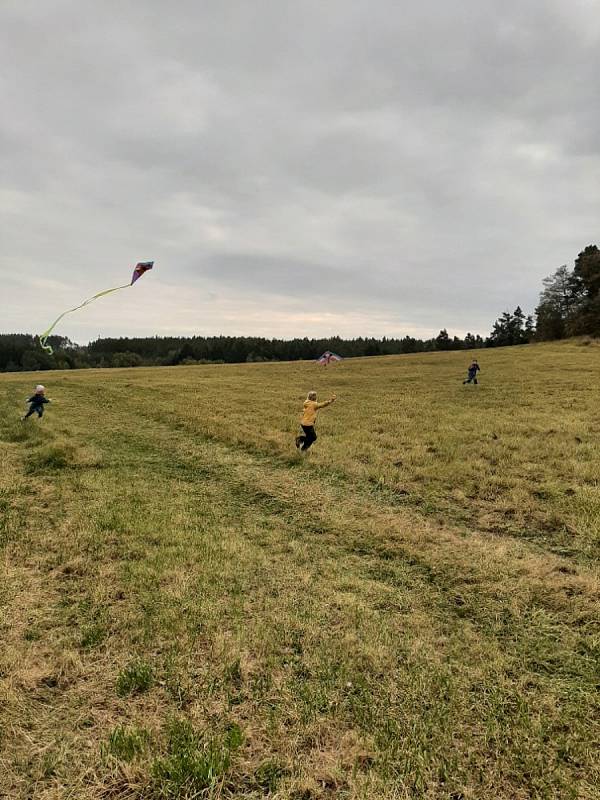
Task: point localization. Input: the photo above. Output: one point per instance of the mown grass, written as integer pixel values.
(191, 609)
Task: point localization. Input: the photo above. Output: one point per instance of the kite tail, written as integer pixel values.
(43, 337)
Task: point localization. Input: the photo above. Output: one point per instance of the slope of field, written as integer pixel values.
(190, 608)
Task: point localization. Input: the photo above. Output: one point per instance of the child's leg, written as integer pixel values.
(29, 413)
(301, 440)
(310, 437)
(40, 412)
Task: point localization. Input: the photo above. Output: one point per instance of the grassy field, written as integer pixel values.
(191, 609)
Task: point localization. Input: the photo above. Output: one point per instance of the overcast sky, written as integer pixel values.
(294, 167)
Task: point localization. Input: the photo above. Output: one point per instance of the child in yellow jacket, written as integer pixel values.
(309, 417)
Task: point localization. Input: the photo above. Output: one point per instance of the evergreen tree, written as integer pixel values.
(559, 304)
(442, 341)
(510, 329)
(529, 328)
(518, 326)
(500, 334)
(587, 272)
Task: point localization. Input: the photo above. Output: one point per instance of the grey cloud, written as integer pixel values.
(410, 164)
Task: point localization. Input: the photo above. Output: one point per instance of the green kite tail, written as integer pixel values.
(140, 268)
(44, 336)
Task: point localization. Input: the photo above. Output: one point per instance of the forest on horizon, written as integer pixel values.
(569, 305)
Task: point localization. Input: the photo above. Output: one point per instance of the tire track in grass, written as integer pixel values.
(336, 569)
(250, 479)
(303, 496)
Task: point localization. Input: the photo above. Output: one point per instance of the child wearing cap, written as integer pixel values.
(37, 402)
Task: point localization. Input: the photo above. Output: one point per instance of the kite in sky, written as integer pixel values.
(140, 268)
(327, 358)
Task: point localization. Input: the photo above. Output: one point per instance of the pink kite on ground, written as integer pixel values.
(327, 358)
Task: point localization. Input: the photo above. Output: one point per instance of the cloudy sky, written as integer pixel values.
(294, 167)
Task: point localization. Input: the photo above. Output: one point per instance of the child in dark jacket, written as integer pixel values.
(473, 370)
(37, 402)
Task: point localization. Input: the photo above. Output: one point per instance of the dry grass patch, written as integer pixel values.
(410, 612)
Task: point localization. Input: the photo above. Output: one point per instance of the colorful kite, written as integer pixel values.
(327, 358)
(140, 268)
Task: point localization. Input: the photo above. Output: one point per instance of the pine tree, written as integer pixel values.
(560, 302)
(587, 272)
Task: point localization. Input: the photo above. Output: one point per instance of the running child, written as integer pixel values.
(473, 370)
(37, 402)
(309, 417)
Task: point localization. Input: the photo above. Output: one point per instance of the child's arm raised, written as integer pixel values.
(327, 402)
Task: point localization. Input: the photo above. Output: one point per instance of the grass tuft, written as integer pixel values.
(54, 456)
(126, 744)
(268, 775)
(193, 763)
(92, 635)
(136, 678)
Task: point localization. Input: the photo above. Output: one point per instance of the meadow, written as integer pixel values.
(189, 608)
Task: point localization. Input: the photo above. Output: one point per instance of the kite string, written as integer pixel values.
(44, 336)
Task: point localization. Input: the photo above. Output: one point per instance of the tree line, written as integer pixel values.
(569, 305)
(20, 352)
